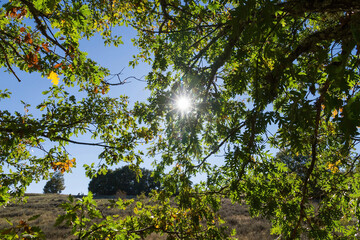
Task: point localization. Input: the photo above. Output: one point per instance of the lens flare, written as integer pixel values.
(183, 103)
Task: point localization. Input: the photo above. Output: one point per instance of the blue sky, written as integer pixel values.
(30, 90)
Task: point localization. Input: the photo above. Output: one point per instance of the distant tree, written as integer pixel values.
(123, 179)
(55, 184)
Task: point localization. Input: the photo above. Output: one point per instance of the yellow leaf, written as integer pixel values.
(136, 211)
(54, 78)
(334, 113)
(332, 167)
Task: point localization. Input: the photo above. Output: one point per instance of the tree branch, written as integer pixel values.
(232, 132)
(8, 64)
(318, 104)
(36, 13)
(300, 7)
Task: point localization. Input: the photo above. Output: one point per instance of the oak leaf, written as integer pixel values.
(45, 46)
(58, 65)
(54, 78)
(28, 39)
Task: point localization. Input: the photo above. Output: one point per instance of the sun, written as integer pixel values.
(183, 104)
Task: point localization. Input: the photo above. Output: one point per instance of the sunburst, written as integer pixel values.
(183, 104)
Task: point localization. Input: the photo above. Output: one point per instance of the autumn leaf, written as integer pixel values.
(105, 89)
(333, 167)
(58, 65)
(334, 113)
(12, 12)
(63, 166)
(22, 29)
(28, 39)
(31, 59)
(54, 78)
(45, 46)
(22, 223)
(23, 12)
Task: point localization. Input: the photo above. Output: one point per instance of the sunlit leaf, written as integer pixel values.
(54, 78)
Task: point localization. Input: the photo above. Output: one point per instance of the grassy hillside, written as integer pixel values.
(47, 205)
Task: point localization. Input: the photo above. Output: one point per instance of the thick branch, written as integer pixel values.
(79, 143)
(336, 33)
(318, 104)
(36, 13)
(299, 7)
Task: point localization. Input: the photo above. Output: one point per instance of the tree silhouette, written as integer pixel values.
(55, 184)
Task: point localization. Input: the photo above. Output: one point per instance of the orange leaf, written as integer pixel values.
(105, 89)
(21, 222)
(28, 39)
(334, 113)
(22, 29)
(12, 12)
(35, 59)
(31, 59)
(23, 12)
(58, 65)
(45, 46)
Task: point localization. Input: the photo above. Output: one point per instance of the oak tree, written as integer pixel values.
(263, 75)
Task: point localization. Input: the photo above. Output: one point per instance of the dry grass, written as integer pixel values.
(47, 205)
(238, 217)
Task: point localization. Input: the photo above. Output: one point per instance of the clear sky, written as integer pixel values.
(32, 85)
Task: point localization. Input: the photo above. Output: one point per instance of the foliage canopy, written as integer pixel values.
(262, 73)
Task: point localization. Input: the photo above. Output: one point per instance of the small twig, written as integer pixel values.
(233, 131)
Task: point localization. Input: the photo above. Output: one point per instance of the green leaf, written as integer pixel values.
(34, 217)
